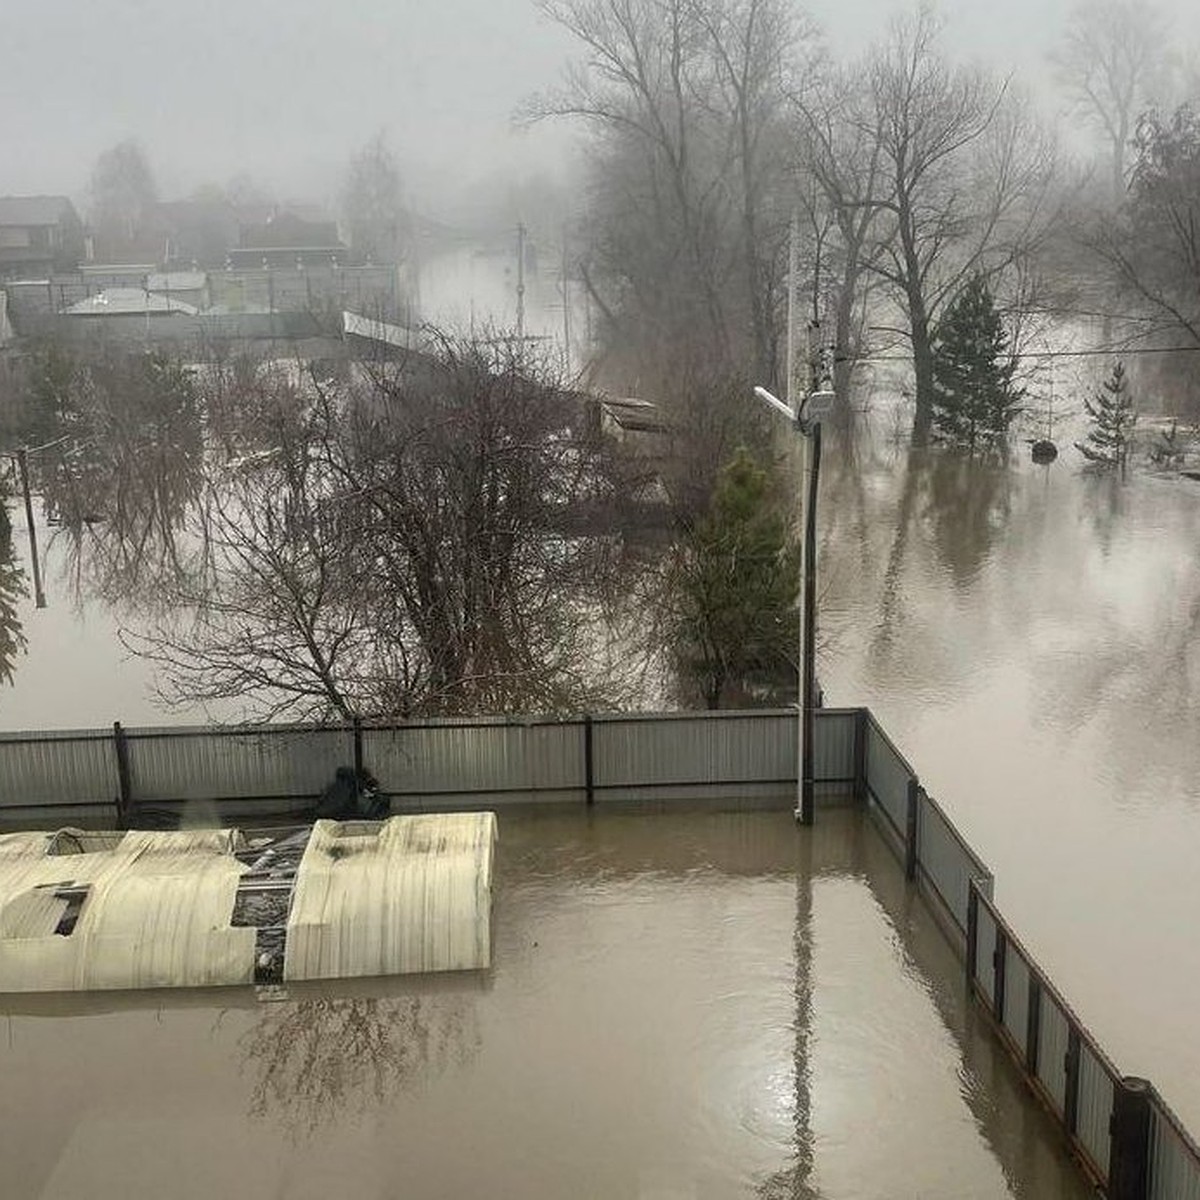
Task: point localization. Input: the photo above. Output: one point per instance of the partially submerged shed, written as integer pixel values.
(198, 908)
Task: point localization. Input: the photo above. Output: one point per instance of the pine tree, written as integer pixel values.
(1114, 415)
(974, 399)
(735, 585)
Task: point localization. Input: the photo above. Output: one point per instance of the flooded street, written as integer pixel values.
(685, 1005)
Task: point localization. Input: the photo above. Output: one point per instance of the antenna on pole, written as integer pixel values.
(520, 287)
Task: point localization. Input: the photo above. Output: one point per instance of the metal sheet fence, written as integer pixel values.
(254, 771)
(1174, 1159)
(443, 763)
(888, 777)
(254, 762)
(69, 776)
(1071, 1073)
(946, 861)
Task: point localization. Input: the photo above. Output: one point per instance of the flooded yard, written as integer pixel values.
(680, 1005)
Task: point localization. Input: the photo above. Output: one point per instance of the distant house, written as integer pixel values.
(286, 240)
(39, 235)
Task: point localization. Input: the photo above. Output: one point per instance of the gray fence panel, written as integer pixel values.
(947, 861)
(659, 752)
(1095, 1106)
(888, 777)
(984, 946)
(1016, 996)
(1174, 1169)
(220, 763)
(68, 768)
(518, 760)
(1052, 1053)
(834, 736)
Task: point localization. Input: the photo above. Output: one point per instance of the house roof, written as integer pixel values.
(121, 301)
(33, 210)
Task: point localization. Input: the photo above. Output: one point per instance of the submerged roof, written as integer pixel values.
(82, 911)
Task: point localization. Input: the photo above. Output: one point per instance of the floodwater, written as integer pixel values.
(699, 1005)
(1029, 638)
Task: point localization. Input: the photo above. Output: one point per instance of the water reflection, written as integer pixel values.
(121, 473)
(318, 1058)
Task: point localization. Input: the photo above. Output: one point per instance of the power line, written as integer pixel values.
(1114, 352)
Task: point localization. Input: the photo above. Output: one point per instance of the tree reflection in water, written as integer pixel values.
(319, 1058)
(12, 589)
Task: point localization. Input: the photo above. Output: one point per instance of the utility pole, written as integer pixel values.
(566, 303)
(520, 288)
(39, 597)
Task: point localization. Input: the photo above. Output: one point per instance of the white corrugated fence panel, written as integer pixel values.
(1174, 1170)
(1095, 1107)
(1016, 996)
(1052, 1052)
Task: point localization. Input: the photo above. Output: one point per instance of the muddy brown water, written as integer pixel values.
(681, 1005)
(1029, 638)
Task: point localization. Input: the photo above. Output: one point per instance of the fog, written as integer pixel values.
(284, 91)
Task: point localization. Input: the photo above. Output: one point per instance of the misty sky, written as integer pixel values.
(284, 89)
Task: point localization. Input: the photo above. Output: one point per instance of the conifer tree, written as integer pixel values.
(1114, 415)
(974, 398)
(735, 587)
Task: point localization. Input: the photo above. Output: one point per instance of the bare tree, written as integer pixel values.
(1110, 62)
(403, 540)
(966, 172)
(123, 193)
(688, 203)
(373, 204)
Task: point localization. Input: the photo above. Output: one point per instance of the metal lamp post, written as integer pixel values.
(807, 420)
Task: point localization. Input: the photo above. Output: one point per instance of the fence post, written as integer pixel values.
(861, 727)
(358, 745)
(972, 934)
(1129, 1131)
(589, 762)
(125, 787)
(1033, 1025)
(910, 831)
(1071, 1090)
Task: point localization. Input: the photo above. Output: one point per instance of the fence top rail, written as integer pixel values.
(878, 731)
(281, 729)
(1048, 987)
(983, 870)
(33, 737)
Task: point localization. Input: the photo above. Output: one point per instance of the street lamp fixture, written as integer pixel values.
(810, 412)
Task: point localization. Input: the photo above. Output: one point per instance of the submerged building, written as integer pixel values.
(199, 908)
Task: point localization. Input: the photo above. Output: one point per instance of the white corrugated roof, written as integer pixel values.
(410, 894)
(122, 301)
